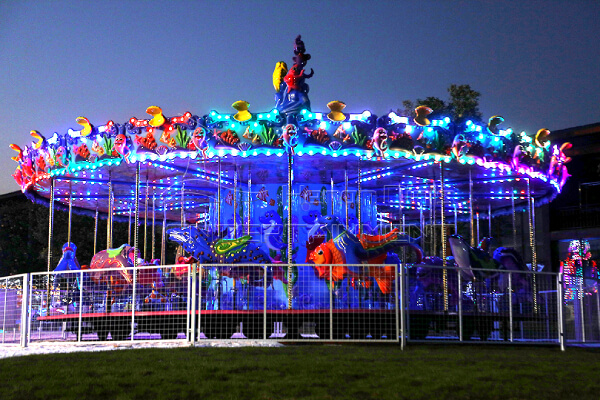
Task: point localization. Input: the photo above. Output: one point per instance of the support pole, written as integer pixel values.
(135, 245)
(50, 236)
(182, 216)
(70, 213)
(146, 220)
(235, 175)
(163, 240)
(359, 203)
(153, 222)
(129, 226)
(332, 193)
(443, 236)
(478, 237)
(289, 230)
(471, 225)
(95, 230)
(249, 198)
(514, 220)
(110, 212)
(531, 204)
(219, 198)
(346, 194)
(455, 220)
(490, 220)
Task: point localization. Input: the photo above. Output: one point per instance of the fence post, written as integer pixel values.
(29, 305)
(24, 311)
(80, 306)
(561, 327)
(330, 301)
(133, 301)
(200, 269)
(265, 304)
(460, 324)
(582, 312)
(4, 310)
(510, 307)
(400, 328)
(192, 304)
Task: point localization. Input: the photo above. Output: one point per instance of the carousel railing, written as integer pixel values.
(388, 303)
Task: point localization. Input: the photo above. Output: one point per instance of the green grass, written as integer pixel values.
(308, 372)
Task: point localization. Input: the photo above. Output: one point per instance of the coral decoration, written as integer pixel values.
(147, 142)
(229, 137)
(82, 151)
(320, 135)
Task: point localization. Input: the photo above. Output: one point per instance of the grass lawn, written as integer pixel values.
(305, 372)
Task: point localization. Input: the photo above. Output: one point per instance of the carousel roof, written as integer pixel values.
(183, 159)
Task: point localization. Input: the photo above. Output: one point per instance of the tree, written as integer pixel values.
(463, 104)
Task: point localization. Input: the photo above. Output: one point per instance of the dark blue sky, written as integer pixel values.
(535, 62)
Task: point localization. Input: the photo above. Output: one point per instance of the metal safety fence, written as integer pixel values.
(299, 302)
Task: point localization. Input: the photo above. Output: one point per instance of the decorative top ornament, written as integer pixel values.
(292, 91)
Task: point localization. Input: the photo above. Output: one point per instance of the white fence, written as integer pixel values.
(340, 303)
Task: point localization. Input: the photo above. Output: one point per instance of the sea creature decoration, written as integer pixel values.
(493, 123)
(421, 115)
(346, 248)
(319, 135)
(61, 157)
(558, 160)
(158, 118)
(476, 263)
(263, 194)
(40, 163)
(208, 249)
(380, 144)
(290, 137)
(123, 258)
(147, 142)
(229, 198)
(122, 148)
(272, 230)
(97, 148)
(68, 260)
(166, 138)
(19, 155)
(336, 113)
(86, 126)
(40, 140)
(199, 140)
(292, 94)
(82, 151)
(228, 137)
(278, 74)
(242, 114)
(460, 146)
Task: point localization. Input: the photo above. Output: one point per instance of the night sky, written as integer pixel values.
(535, 63)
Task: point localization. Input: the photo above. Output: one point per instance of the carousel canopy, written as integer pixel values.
(186, 160)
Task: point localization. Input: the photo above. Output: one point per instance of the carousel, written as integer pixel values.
(294, 198)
